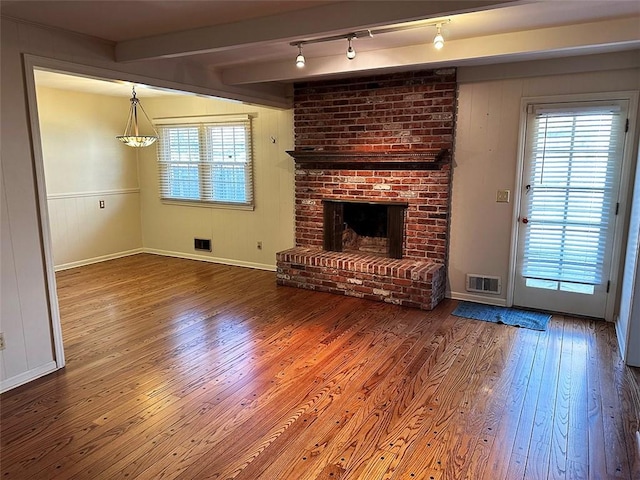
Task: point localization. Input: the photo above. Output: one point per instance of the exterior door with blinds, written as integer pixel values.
(568, 209)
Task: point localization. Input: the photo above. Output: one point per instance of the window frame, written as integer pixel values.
(206, 161)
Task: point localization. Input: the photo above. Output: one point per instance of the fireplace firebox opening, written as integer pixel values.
(364, 227)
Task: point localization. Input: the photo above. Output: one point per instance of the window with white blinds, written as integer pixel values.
(574, 166)
(207, 162)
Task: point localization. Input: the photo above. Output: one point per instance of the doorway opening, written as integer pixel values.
(71, 200)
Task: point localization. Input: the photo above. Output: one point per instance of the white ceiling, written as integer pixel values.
(249, 41)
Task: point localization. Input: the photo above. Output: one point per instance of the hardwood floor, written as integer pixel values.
(189, 370)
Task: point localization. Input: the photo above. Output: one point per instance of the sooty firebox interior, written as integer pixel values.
(364, 227)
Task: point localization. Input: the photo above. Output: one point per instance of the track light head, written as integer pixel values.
(351, 53)
(438, 40)
(300, 62)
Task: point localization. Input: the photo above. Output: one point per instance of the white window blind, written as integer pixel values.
(574, 165)
(206, 162)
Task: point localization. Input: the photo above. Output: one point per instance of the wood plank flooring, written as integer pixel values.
(180, 369)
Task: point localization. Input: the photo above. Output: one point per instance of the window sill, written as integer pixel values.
(224, 206)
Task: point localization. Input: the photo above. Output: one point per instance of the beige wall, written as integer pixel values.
(171, 228)
(486, 154)
(98, 162)
(79, 174)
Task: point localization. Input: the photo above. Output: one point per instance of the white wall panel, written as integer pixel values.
(485, 161)
(13, 360)
(83, 232)
(25, 314)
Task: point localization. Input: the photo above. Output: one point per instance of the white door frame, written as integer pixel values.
(41, 190)
(624, 194)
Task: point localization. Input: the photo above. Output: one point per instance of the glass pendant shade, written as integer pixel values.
(137, 140)
(131, 136)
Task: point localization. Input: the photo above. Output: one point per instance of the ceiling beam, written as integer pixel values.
(594, 37)
(295, 25)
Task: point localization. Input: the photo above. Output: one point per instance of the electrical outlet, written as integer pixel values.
(503, 196)
(259, 245)
(101, 203)
(2, 345)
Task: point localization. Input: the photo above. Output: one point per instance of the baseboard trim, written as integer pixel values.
(166, 253)
(27, 376)
(103, 258)
(204, 258)
(498, 302)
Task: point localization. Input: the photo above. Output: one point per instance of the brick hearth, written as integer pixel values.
(407, 282)
(375, 139)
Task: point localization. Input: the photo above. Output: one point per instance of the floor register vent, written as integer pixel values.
(483, 284)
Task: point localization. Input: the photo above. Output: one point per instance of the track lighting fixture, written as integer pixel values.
(438, 40)
(351, 53)
(300, 58)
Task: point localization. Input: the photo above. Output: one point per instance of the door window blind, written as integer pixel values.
(206, 162)
(574, 165)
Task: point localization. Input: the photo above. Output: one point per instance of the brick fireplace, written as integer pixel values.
(380, 147)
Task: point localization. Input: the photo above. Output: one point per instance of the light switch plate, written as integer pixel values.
(503, 196)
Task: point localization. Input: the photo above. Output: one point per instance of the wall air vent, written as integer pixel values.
(202, 244)
(483, 284)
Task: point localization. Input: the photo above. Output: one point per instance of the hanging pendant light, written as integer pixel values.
(131, 136)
